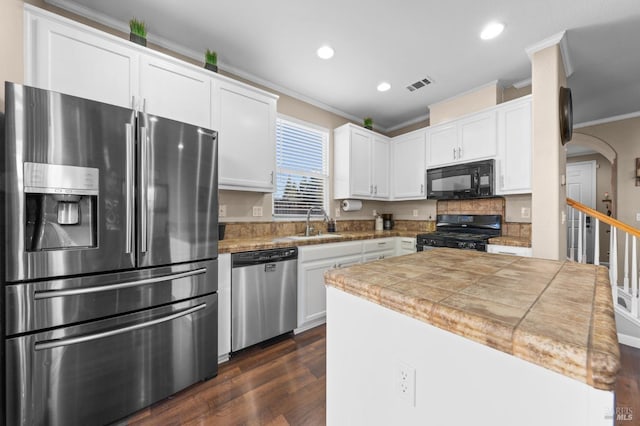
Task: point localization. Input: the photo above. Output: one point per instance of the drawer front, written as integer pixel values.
(328, 251)
(378, 244)
(101, 371)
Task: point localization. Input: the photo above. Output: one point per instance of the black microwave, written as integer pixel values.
(469, 180)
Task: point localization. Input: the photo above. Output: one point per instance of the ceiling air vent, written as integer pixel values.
(419, 84)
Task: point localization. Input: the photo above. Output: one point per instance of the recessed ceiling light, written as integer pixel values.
(325, 52)
(492, 30)
(384, 86)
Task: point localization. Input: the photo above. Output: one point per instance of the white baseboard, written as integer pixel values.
(629, 340)
(310, 325)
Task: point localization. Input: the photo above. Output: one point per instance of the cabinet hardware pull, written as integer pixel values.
(459, 152)
(370, 189)
(454, 153)
(51, 344)
(422, 188)
(271, 177)
(48, 294)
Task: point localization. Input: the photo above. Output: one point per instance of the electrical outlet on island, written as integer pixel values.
(222, 212)
(257, 211)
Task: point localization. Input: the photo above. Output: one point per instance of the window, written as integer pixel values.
(301, 169)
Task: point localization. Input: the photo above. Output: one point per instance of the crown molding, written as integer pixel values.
(198, 56)
(559, 39)
(408, 123)
(607, 120)
(522, 83)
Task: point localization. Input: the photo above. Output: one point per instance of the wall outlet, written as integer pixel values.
(257, 211)
(637, 217)
(374, 212)
(415, 212)
(337, 212)
(525, 212)
(222, 212)
(406, 383)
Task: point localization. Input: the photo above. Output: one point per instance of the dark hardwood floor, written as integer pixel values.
(283, 383)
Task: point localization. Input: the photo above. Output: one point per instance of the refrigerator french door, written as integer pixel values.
(110, 256)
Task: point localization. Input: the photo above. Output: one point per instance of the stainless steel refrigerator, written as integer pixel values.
(109, 258)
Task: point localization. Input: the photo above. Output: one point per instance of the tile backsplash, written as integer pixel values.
(486, 206)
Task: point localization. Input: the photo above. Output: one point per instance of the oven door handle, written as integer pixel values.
(48, 294)
(56, 343)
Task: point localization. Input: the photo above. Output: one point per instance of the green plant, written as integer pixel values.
(211, 57)
(368, 122)
(138, 28)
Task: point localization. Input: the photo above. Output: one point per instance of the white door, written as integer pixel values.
(361, 167)
(581, 186)
(477, 137)
(443, 145)
(409, 166)
(380, 172)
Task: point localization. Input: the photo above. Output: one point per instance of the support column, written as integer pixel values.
(548, 200)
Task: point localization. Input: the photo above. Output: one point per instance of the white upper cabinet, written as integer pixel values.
(360, 164)
(461, 141)
(68, 57)
(513, 165)
(381, 161)
(175, 90)
(409, 165)
(245, 119)
(64, 57)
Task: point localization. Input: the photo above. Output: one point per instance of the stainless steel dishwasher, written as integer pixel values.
(264, 295)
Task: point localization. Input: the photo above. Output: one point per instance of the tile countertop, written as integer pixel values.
(261, 243)
(558, 315)
(506, 240)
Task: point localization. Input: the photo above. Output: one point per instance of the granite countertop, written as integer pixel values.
(261, 243)
(558, 315)
(511, 241)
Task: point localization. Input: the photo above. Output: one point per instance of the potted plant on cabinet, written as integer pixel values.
(211, 60)
(138, 32)
(368, 123)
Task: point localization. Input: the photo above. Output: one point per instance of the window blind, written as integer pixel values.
(301, 169)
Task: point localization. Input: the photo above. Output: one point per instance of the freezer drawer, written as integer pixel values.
(98, 372)
(54, 303)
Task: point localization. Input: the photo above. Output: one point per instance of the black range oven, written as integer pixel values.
(469, 232)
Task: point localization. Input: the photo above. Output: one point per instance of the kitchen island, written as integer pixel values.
(462, 337)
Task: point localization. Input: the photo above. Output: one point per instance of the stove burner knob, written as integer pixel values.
(461, 245)
(471, 245)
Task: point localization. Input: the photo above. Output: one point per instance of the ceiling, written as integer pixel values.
(274, 43)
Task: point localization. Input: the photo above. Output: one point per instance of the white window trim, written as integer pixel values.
(326, 198)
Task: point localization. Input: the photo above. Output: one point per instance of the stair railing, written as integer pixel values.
(625, 294)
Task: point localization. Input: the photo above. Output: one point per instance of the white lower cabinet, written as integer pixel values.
(511, 250)
(378, 249)
(405, 245)
(224, 306)
(313, 261)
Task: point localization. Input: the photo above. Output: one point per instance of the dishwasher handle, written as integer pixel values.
(258, 257)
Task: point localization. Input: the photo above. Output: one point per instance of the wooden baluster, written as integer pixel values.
(580, 214)
(596, 248)
(634, 277)
(584, 239)
(626, 263)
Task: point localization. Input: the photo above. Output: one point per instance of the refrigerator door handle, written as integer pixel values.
(56, 343)
(144, 173)
(48, 294)
(129, 190)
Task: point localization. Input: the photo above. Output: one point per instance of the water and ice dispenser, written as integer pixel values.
(61, 206)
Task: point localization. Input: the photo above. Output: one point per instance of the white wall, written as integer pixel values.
(458, 381)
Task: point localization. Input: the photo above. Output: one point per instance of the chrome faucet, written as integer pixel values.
(307, 231)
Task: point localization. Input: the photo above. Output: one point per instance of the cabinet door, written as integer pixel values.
(380, 172)
(312, 297)
(477, 137)
(514, 149)
(443, 144)
(245, 120)
(380, 255)
(361, 147)
(409, 166)
(175, 91)
(69, 60)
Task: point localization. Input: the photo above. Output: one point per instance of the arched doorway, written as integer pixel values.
(585, 149)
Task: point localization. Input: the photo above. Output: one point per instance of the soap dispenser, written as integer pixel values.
(379, 223)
